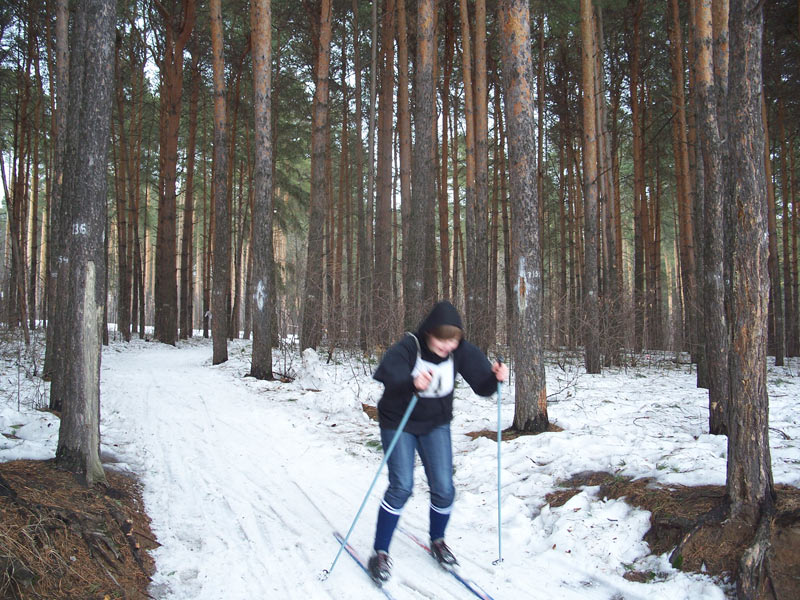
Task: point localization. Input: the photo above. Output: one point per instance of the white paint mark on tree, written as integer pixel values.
(521, 286)
(261, 296)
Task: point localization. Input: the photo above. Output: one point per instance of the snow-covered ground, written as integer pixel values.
(246, 480)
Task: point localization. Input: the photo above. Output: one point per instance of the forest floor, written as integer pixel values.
(59, 539)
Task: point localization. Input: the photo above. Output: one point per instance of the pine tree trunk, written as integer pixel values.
(263, 299)
(458, 251)
(33, 271)
(187, 287)
(232, 290)
(311, 329)
(680, 142)
(330, 235)
(591, 337)
(479, 261)
(240, 227)
(350, 298)
(342, 210)
(123, 180)
(562, 307)
(494, 236)
(470, 284)
(138, 301)
(530, 407)
(357, 295)
(221, 223)
(611, 338)
(638, 180)
(134, 157)
(775, 305)
(749, 479)
(790, 310)
(382, 300)
(84, 191)
(367, 261)
(171, 67)
(795, 334)
(506, 217)
(208, 233)
(17, 203)
(404, 142)
(714, 318)
(423, 188)
(54, 353)
(445, 246)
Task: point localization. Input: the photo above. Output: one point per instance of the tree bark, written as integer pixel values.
(530, 407)
(221, 236)
(343, 204)
(187, 288)
(478, 262)
(749, 475)
(787, 185)
(382, 301)
(775, 308)
(177, 32)
(57, 249)
(359, 297)
(591, 336)
(85, 182)
(445, 252)
(680, 142)
(638, 179)
(311, 329)
(458, 246)
(123, 180)
(715, 318)
(470, 286)
(367, 260)
(33, 272)
(611, 335)
(263, 300)
(409, 218)
(423, 189)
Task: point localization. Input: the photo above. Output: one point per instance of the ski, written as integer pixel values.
(473, 587)
(361, 563)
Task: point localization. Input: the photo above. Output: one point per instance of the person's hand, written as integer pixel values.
(423, 380)
(500, 371)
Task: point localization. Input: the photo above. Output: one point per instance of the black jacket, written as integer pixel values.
(395, 369)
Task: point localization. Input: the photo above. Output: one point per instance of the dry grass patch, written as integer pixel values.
(59, 539)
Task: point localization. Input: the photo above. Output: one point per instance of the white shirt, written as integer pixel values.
(442, 380)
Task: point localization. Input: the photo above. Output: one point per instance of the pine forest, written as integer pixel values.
(604, 179)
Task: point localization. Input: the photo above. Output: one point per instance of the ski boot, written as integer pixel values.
(380, 567)
(443, 554)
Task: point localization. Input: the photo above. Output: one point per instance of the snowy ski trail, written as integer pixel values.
(251, 496)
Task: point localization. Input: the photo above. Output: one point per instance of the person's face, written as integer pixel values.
(442, 348)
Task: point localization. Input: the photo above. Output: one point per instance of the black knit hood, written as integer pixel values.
(442, 313)
(396, 368)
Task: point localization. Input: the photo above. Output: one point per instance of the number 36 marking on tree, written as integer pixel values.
(79, 229)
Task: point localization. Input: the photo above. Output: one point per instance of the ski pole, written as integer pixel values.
(499, 499)
(386, 456)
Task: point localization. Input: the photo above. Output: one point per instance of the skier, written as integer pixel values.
(425, 364)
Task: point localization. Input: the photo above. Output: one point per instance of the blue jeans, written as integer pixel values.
(437, 457)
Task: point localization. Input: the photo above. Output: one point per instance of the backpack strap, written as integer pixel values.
(419, 349)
